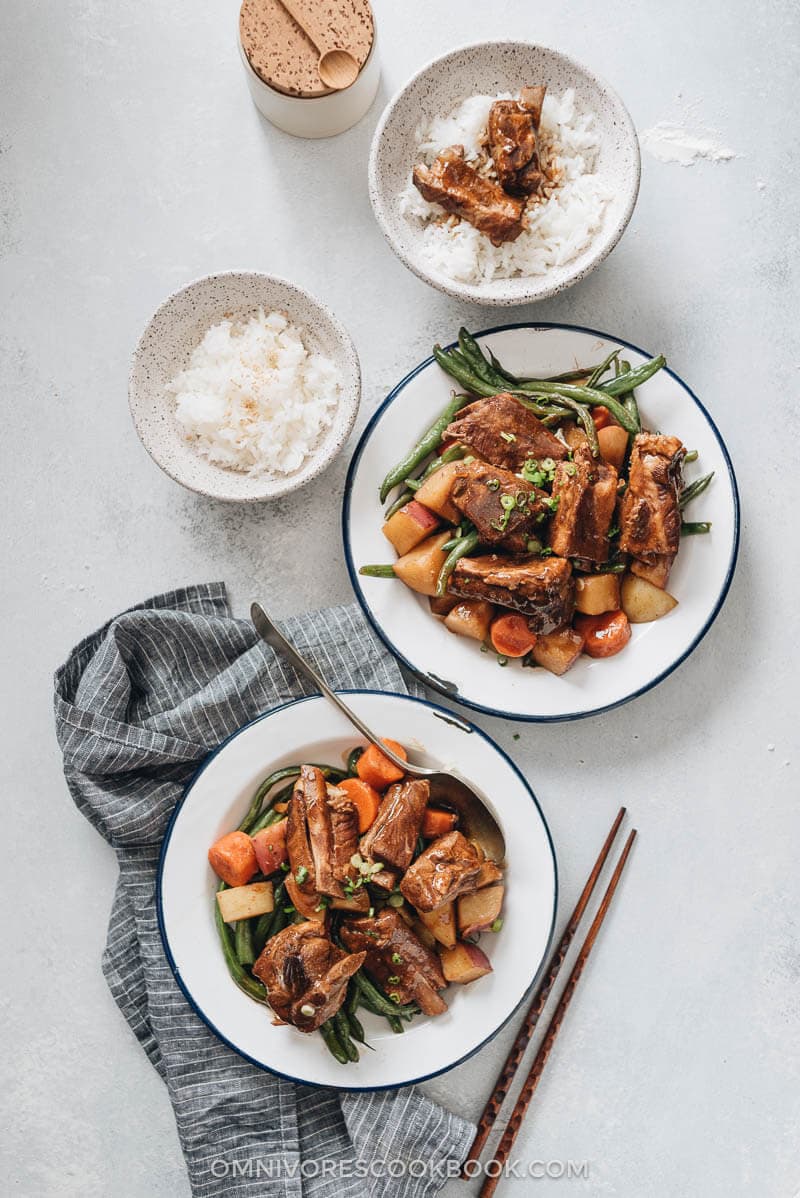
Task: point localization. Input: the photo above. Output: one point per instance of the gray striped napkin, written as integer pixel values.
(138, 705)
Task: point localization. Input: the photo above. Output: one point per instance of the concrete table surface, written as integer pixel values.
(132, 160)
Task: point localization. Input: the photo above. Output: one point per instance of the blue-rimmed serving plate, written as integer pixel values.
(454, 665)
(215, 802)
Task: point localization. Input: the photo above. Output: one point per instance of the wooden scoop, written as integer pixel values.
(323, 22)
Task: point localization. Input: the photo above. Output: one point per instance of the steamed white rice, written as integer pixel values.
(254, 398)
(559, 227)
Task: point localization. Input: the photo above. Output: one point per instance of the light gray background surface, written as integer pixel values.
(132, 161)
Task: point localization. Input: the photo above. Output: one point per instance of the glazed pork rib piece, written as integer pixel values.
(542, 588)
(393, 834)
(586, 493)
(448, 867)
(650, 514)
(321, 837)
(480, 491)
(504, 432)
(397, 960)
(512, 143)
(452, 182)
(305, 974)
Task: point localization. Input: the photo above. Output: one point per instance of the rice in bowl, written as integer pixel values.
(254, 398)
(561, 224)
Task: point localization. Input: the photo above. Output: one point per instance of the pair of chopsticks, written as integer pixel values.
(507, 1073)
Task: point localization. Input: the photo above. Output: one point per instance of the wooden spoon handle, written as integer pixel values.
(322, 21)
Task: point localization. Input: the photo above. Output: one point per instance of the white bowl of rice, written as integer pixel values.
(243, 386)
(589, 151)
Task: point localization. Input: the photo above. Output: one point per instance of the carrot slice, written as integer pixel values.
(378, 770)
(511, 635)
(436, 822)
(605, 635)
(601, 417)
(364, 798)
(233, 858)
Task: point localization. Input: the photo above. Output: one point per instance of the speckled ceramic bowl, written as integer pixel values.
(490, 68)
(166, 344)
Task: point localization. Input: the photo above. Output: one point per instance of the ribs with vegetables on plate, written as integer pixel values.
(549, 520)
(383, 922)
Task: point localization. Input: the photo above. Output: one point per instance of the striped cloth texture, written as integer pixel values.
(138, 705)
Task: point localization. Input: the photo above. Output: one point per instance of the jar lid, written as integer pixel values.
(284, 56)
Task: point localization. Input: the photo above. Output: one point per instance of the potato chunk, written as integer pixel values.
(470, 617)
(241, 902)
(596, 593)
(643, 602)
(435, 492)
(557, 651)
(420, 568)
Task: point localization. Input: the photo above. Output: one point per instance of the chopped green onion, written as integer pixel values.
(497, 925)
(493, 484)
(397, 959)
(301, 875)
(510, 437)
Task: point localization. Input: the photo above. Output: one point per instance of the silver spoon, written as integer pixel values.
(476, 818)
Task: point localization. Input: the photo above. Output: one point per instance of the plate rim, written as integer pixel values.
(162, 930)
(457, 697)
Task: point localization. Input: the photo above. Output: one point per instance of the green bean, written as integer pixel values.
(377, 571)
(463, 548)
(328, 1033)
(693, 489)
(243, 942)
(429, 441)
(357, 1028)
(267, 925)
(588, 396)
(631, 379)
(377, 1002)
(692, 528)
(352, 760)
(691, 456)
(242, 979)
(266, 819)
(629, 398)
(598, 372)
(342, 1028)
(569, 376)
(405, 497)
(474, 357)
(264, 788)
(395, 1023)
(459, 369)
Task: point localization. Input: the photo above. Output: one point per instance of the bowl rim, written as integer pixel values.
(473, 293)
(471, 704)
(350, 401)
(445, 713)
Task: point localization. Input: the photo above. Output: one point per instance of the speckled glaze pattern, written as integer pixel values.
(490, 68)
(166, 344)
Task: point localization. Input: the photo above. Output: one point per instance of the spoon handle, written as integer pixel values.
(276, 640)
(321, 22)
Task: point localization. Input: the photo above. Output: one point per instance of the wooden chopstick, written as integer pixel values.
(517, 1051)
(537, 1068)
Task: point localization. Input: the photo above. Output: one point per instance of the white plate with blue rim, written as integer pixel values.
(215, 802)
(455, 665)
